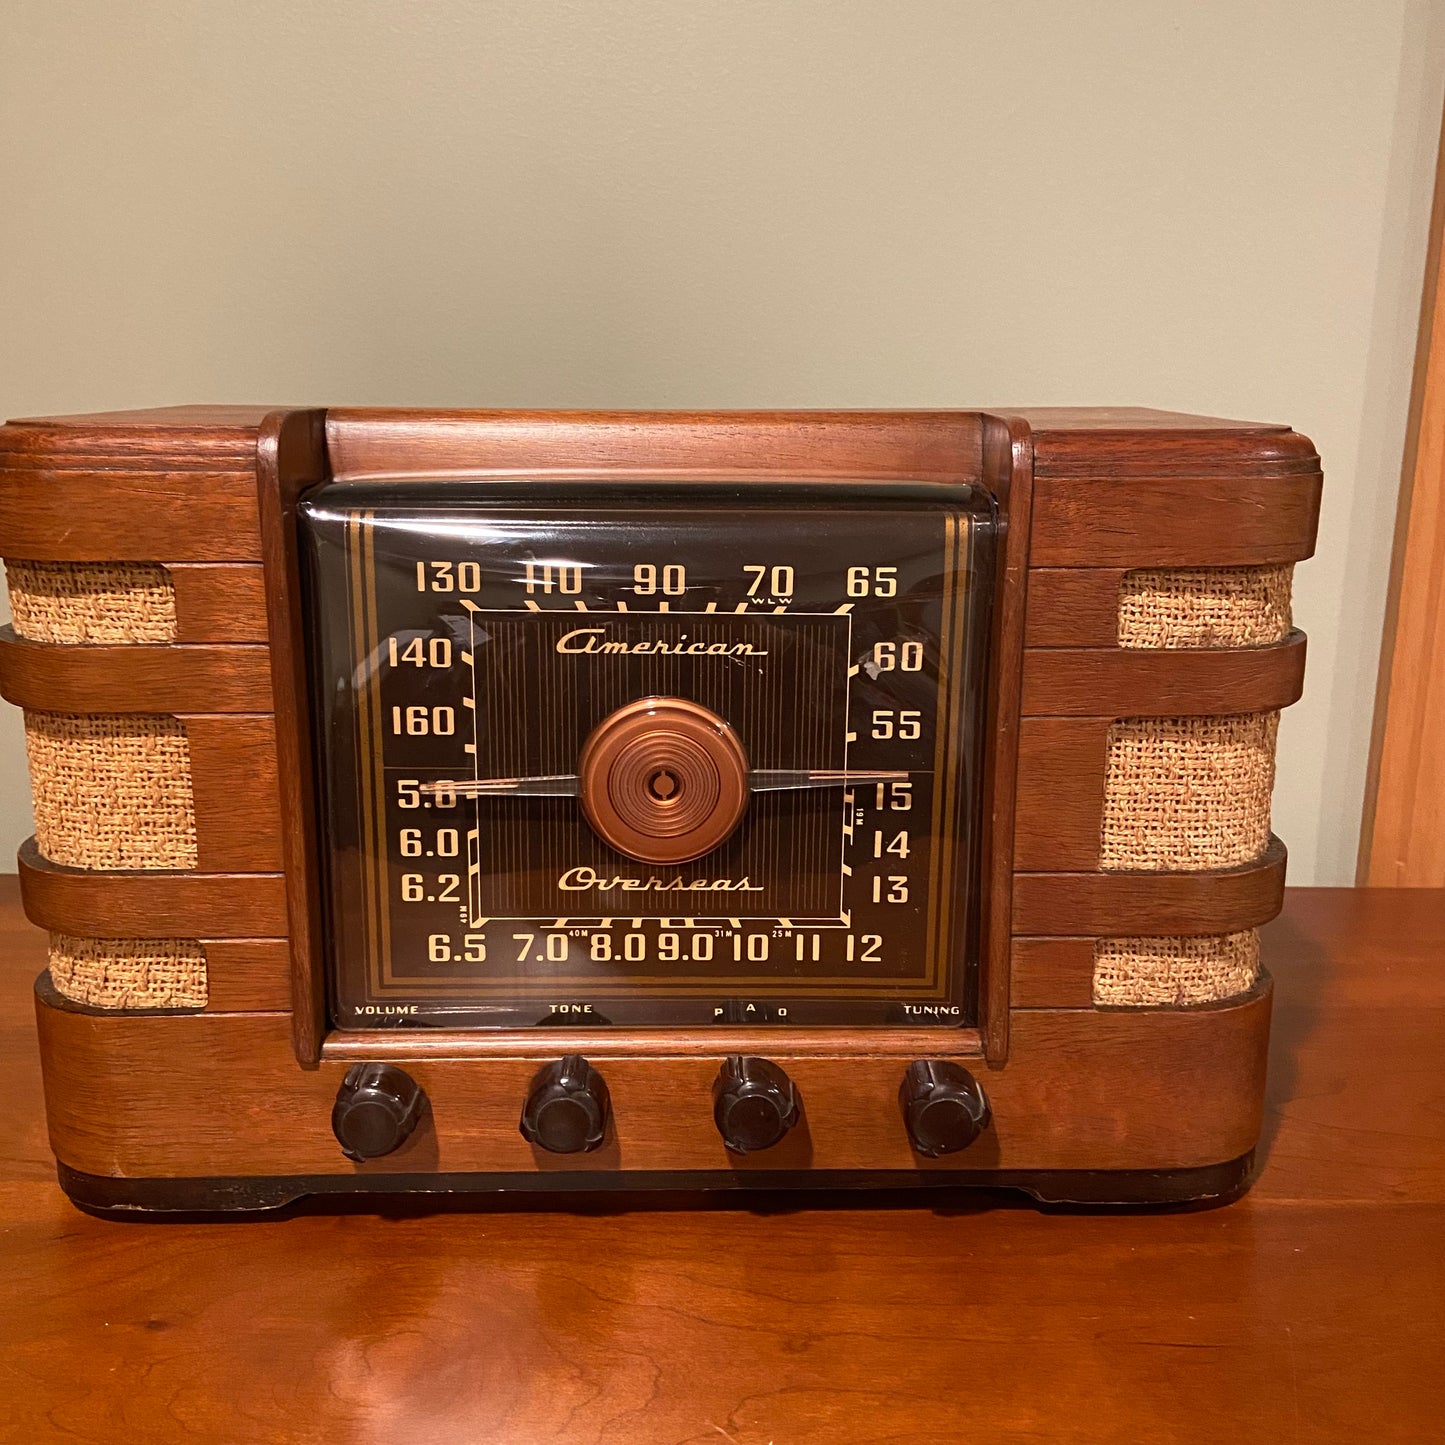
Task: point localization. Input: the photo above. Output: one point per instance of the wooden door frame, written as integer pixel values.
(1402, 831)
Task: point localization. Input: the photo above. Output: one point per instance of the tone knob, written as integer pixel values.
(566, 1111)
(754, 1103)
(944, 1107)
(377, 1107)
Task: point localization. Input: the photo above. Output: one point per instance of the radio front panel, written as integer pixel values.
(467, 647)
(557, 802)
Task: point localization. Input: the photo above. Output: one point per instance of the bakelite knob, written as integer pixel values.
(944, 1107)
(754, 1103)
(377, 1107)
(567, 1108)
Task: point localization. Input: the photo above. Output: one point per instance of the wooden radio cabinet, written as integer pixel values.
(547, 802)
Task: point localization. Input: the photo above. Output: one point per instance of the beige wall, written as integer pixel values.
(1216, 207)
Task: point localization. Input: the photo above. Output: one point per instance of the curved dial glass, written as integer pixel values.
(648, 753)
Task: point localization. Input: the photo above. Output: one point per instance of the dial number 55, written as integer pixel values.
(908, 723)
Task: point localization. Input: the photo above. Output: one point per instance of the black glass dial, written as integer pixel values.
(650, 756)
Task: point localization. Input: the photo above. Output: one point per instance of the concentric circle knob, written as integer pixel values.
(944, 1107)
(754, 1103)
(663, 780)
(567, 1107)
(377, 1107)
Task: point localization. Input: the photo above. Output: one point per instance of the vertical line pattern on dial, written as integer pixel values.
(356, 526)
(940, 872)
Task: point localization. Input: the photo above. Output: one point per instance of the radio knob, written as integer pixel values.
(567, 1109)
(754, 1103)
(377, 1107)
(944, 1107)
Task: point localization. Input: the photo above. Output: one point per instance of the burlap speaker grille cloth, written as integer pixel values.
(111, 790)
(1183, 794)
(92, 602)
(1174, 972)
(129, 973)
(1205, 607)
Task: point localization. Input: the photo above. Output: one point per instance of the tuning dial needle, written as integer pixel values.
(760, 780)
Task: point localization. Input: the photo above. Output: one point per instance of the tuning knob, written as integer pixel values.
(377, 1107)
(754, 1103)
(566, 1111)
(944, 1107)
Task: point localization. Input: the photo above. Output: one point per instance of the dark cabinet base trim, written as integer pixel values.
(149, 1199)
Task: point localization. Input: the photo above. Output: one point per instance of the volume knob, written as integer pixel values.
(377, 1107)
(754, 1103)
(944, 1107)
(567, 1107)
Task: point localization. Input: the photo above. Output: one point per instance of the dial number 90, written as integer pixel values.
(646, 577)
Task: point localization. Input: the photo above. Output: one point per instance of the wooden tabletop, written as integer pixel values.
(1311, 1310)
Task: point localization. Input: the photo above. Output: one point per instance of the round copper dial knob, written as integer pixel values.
(663, 780)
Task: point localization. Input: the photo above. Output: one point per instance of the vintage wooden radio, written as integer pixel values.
(555, 802)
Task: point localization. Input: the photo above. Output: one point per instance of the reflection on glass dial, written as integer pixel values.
(674, 763)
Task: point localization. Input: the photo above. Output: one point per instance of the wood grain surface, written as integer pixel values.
(1310, 1312)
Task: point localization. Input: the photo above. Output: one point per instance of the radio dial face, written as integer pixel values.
(648, 754)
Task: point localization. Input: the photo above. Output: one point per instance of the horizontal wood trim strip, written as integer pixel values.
(1073, 607)
(923, 444)
(247, 975)
(1053, 973)
(1106, 905)
(198, 677)
(129, 516)
(1059, 808)
(164, 438)
(1124, 682)
(236, 793)
(400, 1045)
(1192, 447)
(219, 602)
(1174, 521)
(150, 905)
(134, 1096)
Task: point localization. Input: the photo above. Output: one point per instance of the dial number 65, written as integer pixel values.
(873, 582)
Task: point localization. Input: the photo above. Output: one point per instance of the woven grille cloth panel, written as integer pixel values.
(1174, 972)
(111, 790)
(92, 602)
(1187, 793)
(129, 973)
(1205, 607)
